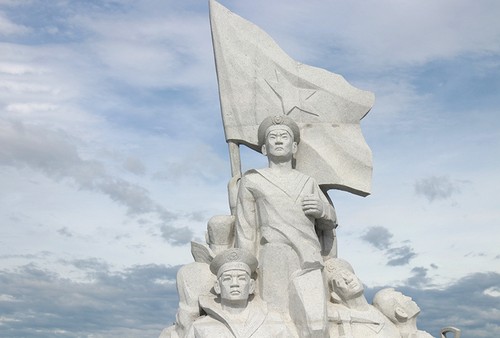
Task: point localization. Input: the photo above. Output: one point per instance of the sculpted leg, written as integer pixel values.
(278, 262)
(308, 304)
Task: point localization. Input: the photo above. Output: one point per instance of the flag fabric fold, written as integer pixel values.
(258, 79)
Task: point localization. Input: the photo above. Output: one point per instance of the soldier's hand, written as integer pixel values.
(312, 206)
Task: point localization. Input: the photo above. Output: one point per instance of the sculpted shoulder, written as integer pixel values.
(251, 172)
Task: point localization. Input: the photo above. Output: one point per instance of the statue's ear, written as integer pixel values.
(252, 286)
(217, 287)
(294, 147)
(264, 150)
(401, 314)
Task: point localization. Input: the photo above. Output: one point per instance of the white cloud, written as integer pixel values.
(7, 298)
(8, 28)
(494, 291)
(378, 236)
(134, 165)
(55, 154)
(157, 51)
(14, 2)
(129, 303)
(24, 108)
(400, 255)
(437, 187)
(198, 160)
(17, 68)
(385, 33)
(117, 304)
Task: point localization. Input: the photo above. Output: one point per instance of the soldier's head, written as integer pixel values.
(234, 269)
(278, 136)
(395, 306)
(342, 281)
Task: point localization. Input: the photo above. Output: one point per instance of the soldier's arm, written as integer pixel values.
(246, 229)
(319, 206)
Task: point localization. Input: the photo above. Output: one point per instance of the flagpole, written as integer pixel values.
(232, 186)
(234, 158)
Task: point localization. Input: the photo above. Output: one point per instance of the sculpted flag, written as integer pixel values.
(258, 79)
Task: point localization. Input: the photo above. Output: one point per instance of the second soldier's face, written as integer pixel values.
(406, 303)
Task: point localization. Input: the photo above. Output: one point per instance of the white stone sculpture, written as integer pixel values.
(401, 310)
(306, 121)
(277, 213)
(258, 79)
(349, 313)
(196, 279)
(235, 312)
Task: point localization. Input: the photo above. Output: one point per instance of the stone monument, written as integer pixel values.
(270, 269)
(349, 313)
(401, 310)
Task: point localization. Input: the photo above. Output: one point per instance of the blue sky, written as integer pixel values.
(112, 154)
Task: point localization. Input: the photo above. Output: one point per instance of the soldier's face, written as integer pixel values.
(407, 304)
(235, 285)
(347, 285)
(280, 143)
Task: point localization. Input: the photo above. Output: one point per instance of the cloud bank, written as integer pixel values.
(137, 302)
(54, 154)
(141, 301)
(380, 238)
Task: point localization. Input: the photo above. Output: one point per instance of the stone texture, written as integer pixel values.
(401, 310)
(234, 312)
(258, 79)
(270, 269)
(349, 313)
